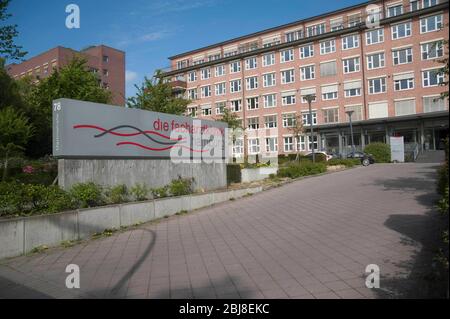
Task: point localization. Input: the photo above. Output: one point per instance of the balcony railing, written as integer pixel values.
(303, 33)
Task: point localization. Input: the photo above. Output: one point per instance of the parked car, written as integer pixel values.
(327, 156)
(366, 159)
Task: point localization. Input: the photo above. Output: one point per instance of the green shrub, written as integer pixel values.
(58, 200)
(233, 173)
(117, 194)
(139, 192)
(11, 198)
(302, 168)
(87, 194)
(442, 182)
(348, 162)
(381, 152)
(160, 192)
(181, 186)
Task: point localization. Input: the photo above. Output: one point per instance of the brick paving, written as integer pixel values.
(308, 239)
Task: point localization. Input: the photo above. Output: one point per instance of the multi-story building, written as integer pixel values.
(379, 59)
(106, 62)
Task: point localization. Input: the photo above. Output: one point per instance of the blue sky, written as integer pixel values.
(150, 31)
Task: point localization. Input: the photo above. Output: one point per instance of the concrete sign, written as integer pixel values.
(397, 149)
(93, 130)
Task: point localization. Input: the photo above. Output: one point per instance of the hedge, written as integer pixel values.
(381, 152)
(303, 168)
(233, 173)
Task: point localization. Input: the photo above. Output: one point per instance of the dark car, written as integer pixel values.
(366, 159)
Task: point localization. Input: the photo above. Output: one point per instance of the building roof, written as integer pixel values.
(280, 27)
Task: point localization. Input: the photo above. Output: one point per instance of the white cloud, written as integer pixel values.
(130, 76)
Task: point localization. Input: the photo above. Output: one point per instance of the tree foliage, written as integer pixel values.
(8, 49)
(157, 95)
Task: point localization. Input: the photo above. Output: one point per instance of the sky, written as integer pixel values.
(150, 31)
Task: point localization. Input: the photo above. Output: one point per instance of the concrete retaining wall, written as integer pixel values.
(19, 236)
(153, 172)
(256, 174)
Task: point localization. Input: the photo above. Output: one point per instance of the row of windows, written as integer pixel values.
(303, 143)
(331, 115)
(374, 36)
(404, 81)
(428, 51)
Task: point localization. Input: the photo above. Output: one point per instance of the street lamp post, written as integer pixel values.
(349, 113)
(309, 98)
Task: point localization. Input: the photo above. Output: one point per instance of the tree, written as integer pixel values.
(9, 90)
(231, 119)
(15, 131)
(297, 130)
(73, 81)
(156, 95)
(444, 69)
(8, 49)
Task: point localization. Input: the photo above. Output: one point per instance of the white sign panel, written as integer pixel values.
(397, 149)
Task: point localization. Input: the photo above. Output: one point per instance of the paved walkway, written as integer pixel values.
(308, 239)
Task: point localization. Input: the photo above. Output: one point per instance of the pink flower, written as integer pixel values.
(28, 169)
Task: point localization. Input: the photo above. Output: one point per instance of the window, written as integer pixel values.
(270, 100)
(402, 30)
(351, 65)
(220, 107)
(350, 42)
(405, 107)
(287, 76)
(192, 76)
(430, 3)
(357, 112)
(374, 36)
(192, 111)
(247, 47)
(287, 55)
(236, 105)
(307, 118)
(307, 73)
(253, 145)
(192, 94)
(235, 86)
(432, 50)
(433, 104)
(269, 79)
(354, 20)
(253, 123)
(414, 5)
(315, 30)
(288, 98)
(214, 57)
(378, 110)
(271, 42)
(220, 88)
(270, 121)
(294, 35)
(251, 83)
(206, 110)
(328, 68)
(306, 51)
(377, 85)
(336, 24)
(106, 59)
(271, 144)
(329, 92)
(395, 10)
(432, 77)
(198, 61)
(206, 91)
(251, 63)
(352, 88)
(235, 67)
(301, 143)
(252, 103)
(331, 115)
(230, 52)
(220, 70)
(288, 119)
(328, 46)
(404, 81)
(375, 61)
(432, 23)
(402, 56)
(238, 146)
(309, 91)
(268, 59)
(288, 144)
(105, 72)
(205, 74)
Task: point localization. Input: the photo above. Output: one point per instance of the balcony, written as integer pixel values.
(178, 84)
(347, 24)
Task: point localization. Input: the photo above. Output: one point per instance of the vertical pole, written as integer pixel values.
(312, 131)
(351, 133)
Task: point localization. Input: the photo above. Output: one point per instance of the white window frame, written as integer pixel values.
(312, 72)
(372, 85)
(273, 76)
(346, 66)
(268, 62)
(327, 49)
(310, 51)
(355, 42)
(381, 59)
(380, 36)
(289, 53)
(395, 32)
(284, 74)
(439, 19)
